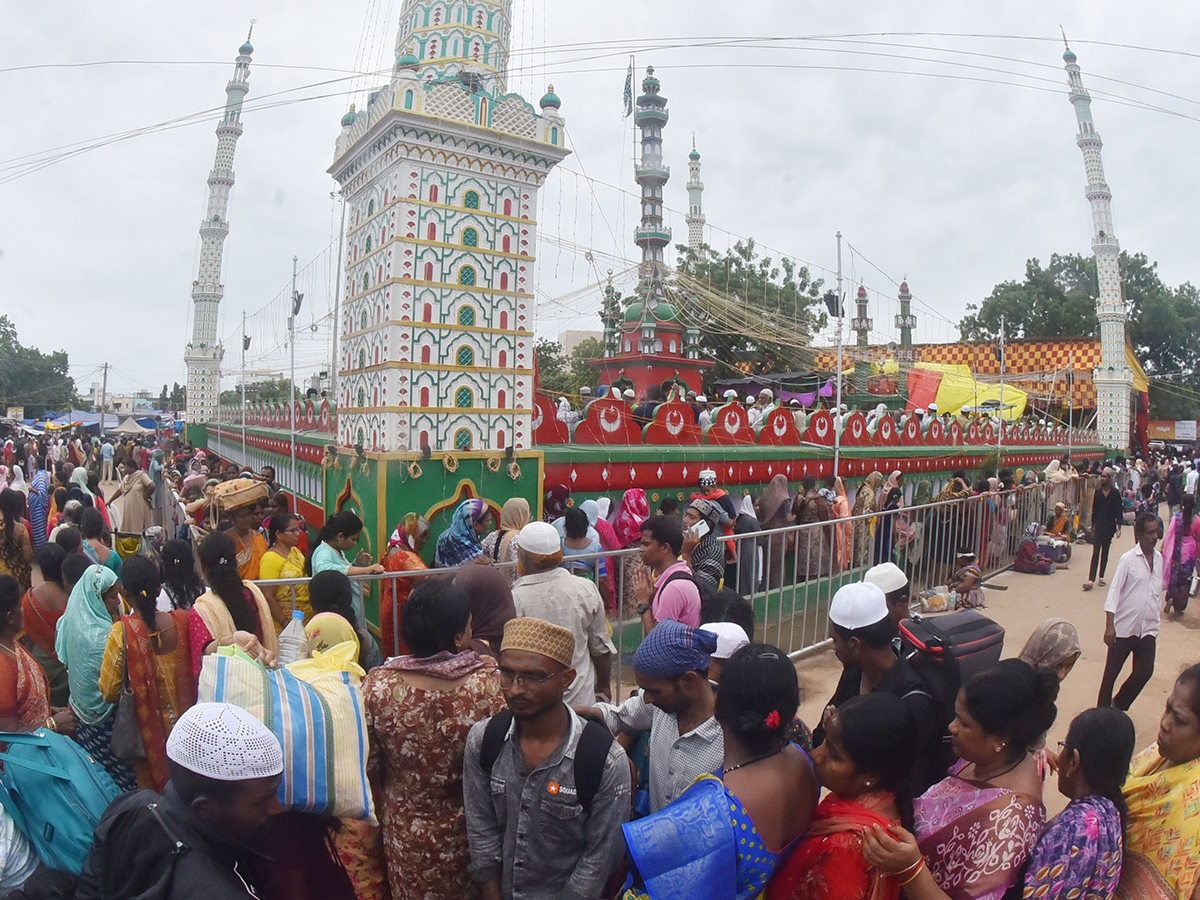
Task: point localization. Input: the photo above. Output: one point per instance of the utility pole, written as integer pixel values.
(1070, 406)
(104, 401)
(297, 299)
(837, 418)
(245, 347)
(1000, 430)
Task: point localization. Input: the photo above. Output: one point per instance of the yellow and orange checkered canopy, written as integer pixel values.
(1044, 363)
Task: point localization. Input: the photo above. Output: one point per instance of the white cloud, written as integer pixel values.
(954, 183)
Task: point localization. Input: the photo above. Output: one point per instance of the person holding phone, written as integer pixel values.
(701, 549)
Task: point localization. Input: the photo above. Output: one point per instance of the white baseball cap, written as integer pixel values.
(858, 605)
(731, 637)
(887, 577)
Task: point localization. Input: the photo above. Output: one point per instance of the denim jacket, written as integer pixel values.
(528, 828)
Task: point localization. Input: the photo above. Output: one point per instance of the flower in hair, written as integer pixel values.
(223, 561)
(772, 719)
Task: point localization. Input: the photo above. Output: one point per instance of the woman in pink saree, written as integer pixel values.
(974, 831)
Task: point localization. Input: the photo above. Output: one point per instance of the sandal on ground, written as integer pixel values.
(1102, 582)
(1087, 585)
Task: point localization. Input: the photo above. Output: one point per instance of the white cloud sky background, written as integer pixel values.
(953, 183)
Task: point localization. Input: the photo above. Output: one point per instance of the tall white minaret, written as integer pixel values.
(695, 189)
(203, 353)
(1113, 377)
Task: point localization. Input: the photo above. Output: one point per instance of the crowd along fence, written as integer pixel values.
(789, 575)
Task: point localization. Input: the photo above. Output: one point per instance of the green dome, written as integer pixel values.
(634, 312)
(551, 101)
(350, 117)
(407, 60)
(246, 49)
(1069, 57)
(695, 154)
(665, 312)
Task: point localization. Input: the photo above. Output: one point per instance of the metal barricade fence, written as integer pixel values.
(793, 572)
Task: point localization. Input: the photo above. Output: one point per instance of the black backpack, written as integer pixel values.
(590, 754)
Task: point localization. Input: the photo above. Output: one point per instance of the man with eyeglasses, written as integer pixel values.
(545, 792)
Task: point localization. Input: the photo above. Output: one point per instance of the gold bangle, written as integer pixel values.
(51, 724)
(914, 875)
(909, 868)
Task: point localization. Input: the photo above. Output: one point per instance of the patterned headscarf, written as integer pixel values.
(633, 511)
(672, 649)
(407, 531)
(1051, 642)
(81, 634)
(555, 506)
(459, 543)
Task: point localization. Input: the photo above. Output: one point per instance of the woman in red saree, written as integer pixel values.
(404, 555)
(863, 762)
(974, 831)
(154, 648)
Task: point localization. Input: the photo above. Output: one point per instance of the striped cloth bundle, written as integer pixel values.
(315, 709)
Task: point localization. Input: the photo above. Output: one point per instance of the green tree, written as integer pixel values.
(164, 399)
(271, 389)
(1058, 301)
(178, 398)
(582, 371)
(32, 379)
(553, 368)
(755, 316)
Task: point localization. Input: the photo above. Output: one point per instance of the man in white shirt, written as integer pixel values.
(1133, 612)
(1192, 475)
(549, 592)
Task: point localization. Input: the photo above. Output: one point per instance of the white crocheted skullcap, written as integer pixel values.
(225, 743)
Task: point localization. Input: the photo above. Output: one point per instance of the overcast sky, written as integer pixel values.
(943, 152)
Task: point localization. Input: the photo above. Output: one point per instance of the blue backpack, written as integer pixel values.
(55, 793)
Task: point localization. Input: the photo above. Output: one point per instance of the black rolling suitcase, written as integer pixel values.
(966, 641)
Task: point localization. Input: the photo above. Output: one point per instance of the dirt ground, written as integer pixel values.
(1027, 602)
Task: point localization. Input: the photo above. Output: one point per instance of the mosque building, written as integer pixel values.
(440, 173)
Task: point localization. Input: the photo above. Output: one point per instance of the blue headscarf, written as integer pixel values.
(459, 543)
(79, 643)
(672, 649)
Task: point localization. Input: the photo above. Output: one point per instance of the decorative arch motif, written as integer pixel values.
(470, 237)
(466, 315)
(462, 439)
(471, 200)
(466, 356)
(464, 398)
(466, 276)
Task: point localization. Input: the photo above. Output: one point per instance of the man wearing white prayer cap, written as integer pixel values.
(862, 630)
(890, 578)
(730, 395)
(731, 637)
(225, 769)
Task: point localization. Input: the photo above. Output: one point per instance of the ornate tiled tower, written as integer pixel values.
(862, 324)
(905, 323)
(440, 172)
(203, 353)
(1113, 377)
(650, 342)
(695, 189)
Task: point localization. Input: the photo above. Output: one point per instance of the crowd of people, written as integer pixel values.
(500, 764)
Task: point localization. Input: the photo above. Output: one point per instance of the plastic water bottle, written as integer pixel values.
(293, 642)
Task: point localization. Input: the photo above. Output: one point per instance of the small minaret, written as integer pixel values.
(863, 325)
(203, 353)
(695, 189)
(905, 322)
(1113, 377)
(652, 176)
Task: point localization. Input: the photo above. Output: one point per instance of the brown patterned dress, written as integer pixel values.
(417, 742)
